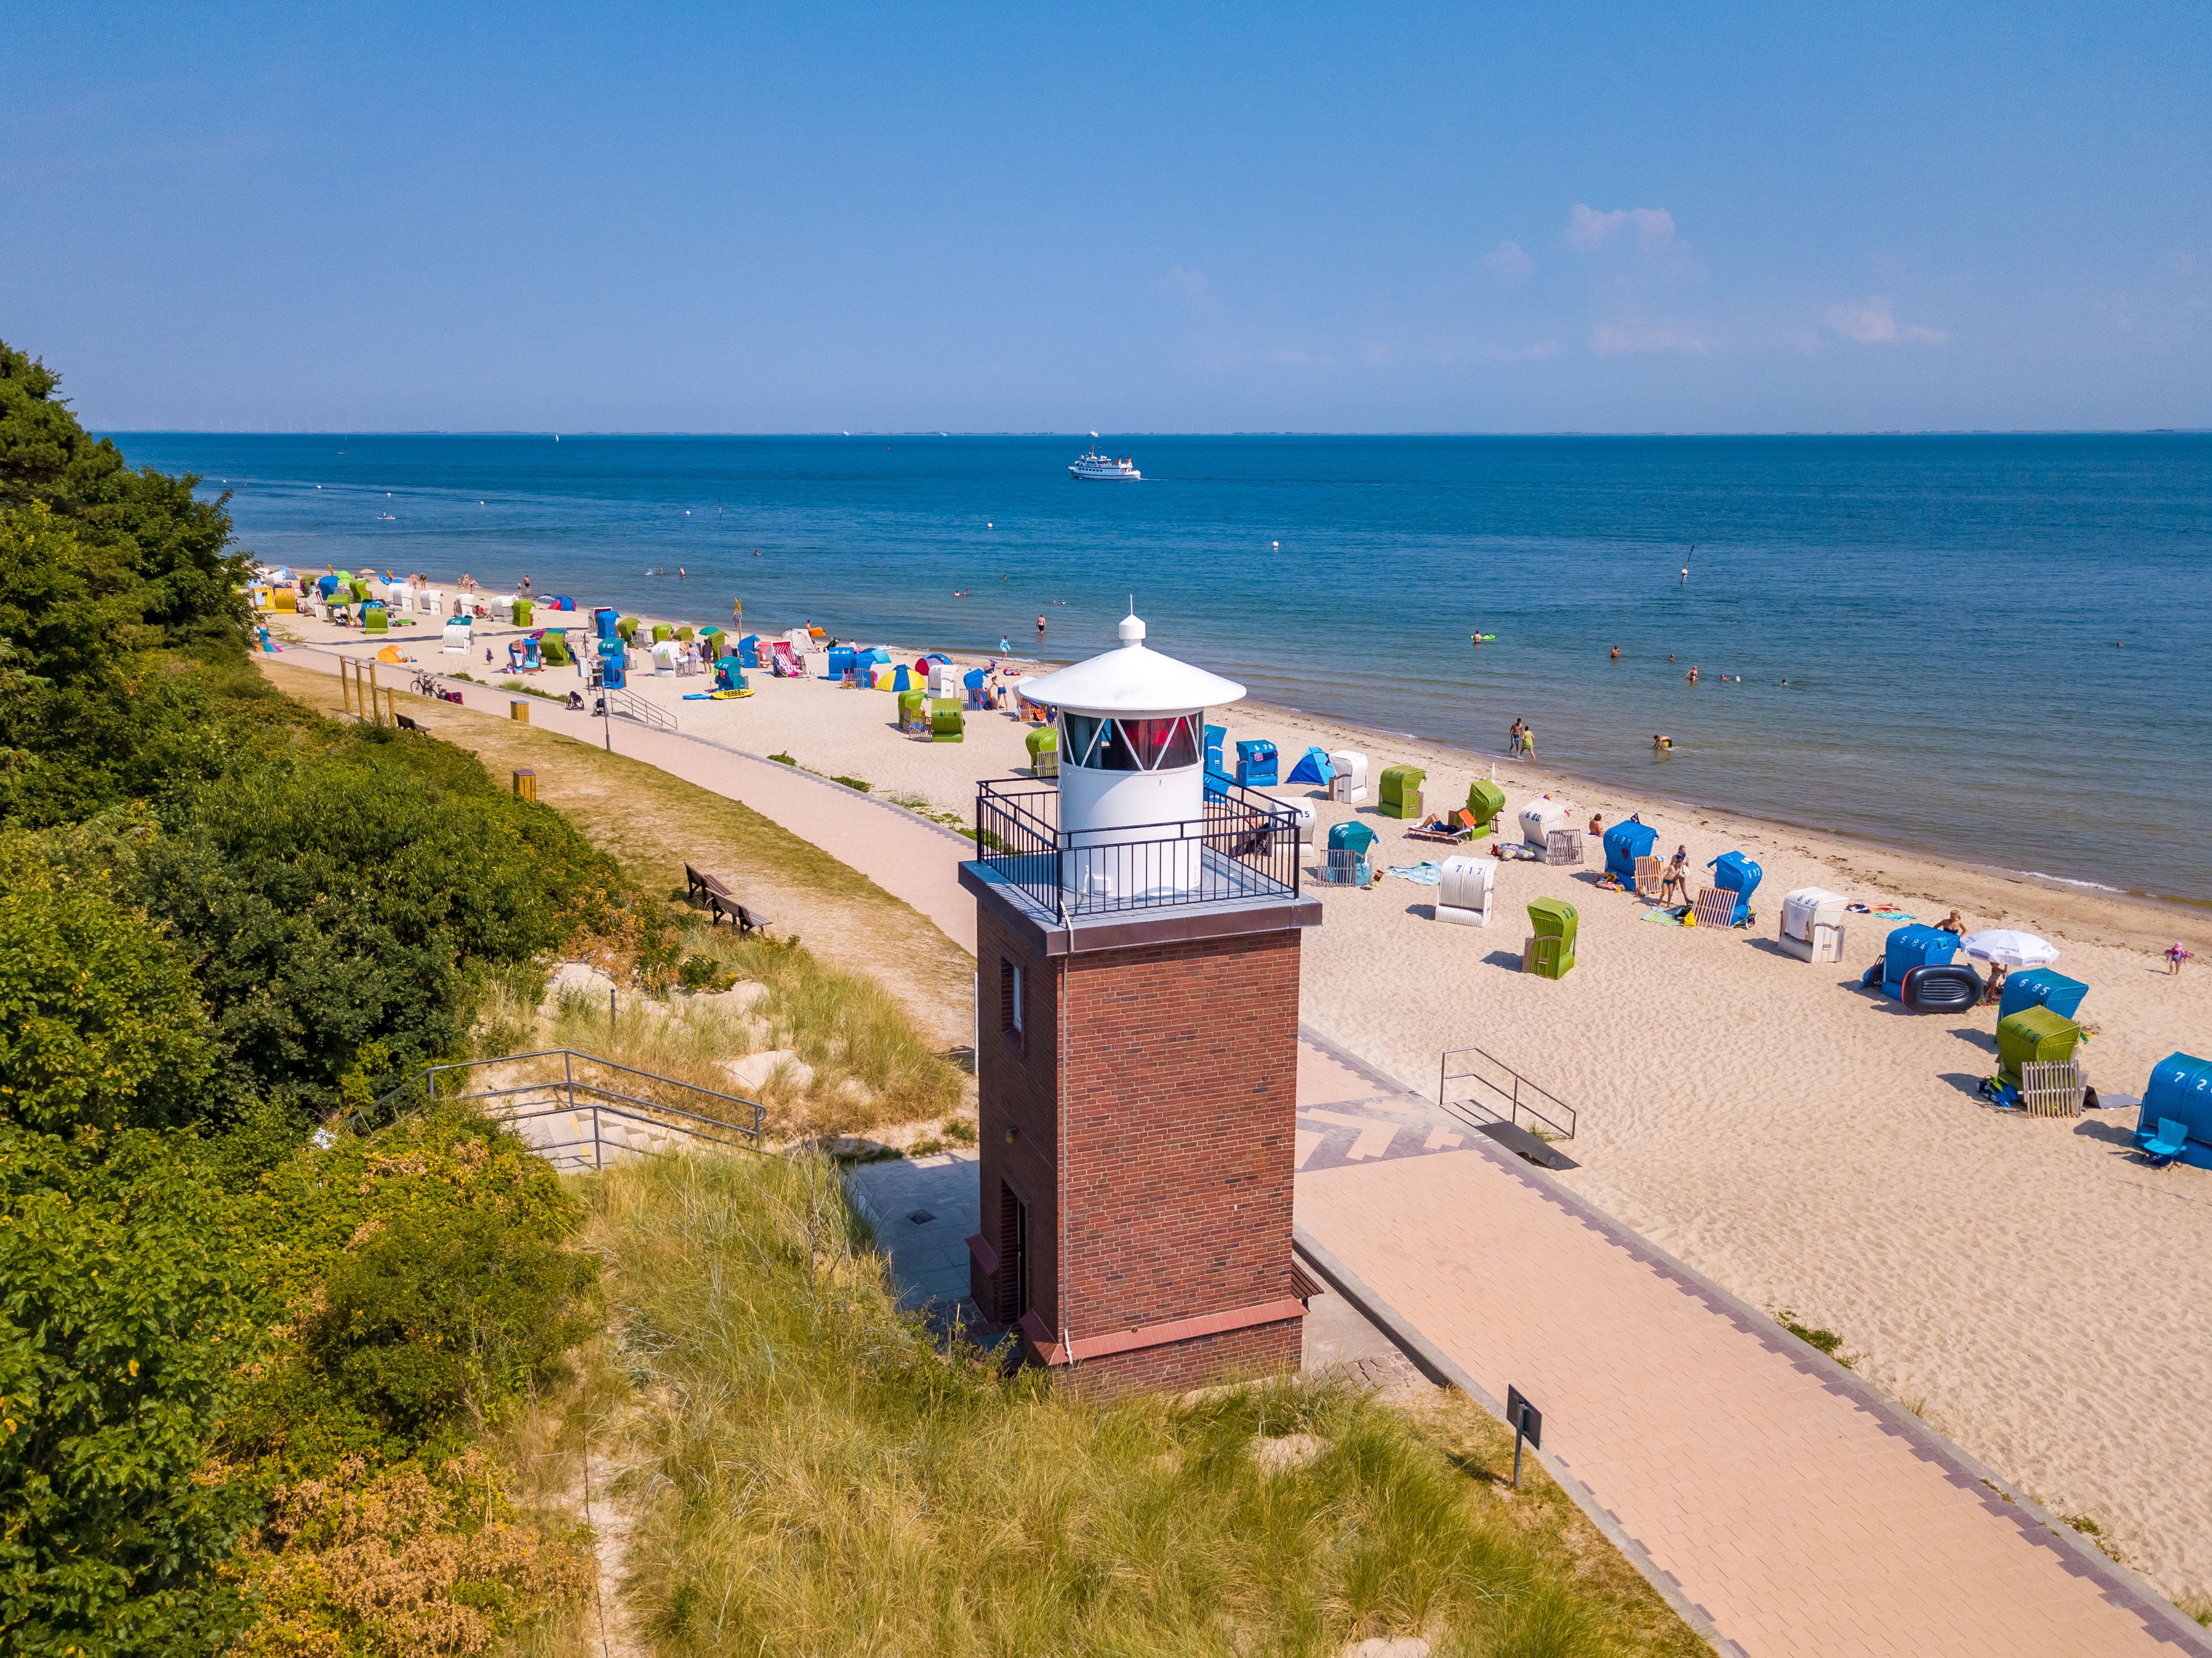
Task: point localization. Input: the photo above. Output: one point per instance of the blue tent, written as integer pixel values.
(2041, 987)
(2180, 1089)
(1911, 946)
(1624, 843)
(1313, 767)
(1732, 872)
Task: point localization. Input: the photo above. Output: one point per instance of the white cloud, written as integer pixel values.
(1510, 263)
(1590, 230)
(1633, 338)
(1190, 286)
(1870, 322)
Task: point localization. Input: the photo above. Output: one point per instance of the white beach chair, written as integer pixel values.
(1463, 895)
(1349, 786)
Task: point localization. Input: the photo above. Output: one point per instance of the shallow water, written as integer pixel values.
(1946, 610)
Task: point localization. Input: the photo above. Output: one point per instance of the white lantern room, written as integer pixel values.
(1131, 767)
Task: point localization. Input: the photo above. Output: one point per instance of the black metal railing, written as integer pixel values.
(1243, 845)
(1471, 1082)
(576, 1108)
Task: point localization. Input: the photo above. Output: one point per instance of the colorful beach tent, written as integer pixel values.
(1625, 842)
(1313, 768)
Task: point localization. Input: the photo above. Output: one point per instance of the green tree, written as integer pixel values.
(120, 1326)
(101, 1022)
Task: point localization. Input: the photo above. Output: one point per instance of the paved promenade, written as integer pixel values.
(1779, 1501)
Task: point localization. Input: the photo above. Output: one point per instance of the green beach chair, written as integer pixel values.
(914, 711)
(523, 611)
(626, 629)
(2034, 1034)
(683, 635)
(1044, 751)
(375, 619)
(661, 631)
(946, 724)
(1550, 951)
(1485, 800)
(1401, 791)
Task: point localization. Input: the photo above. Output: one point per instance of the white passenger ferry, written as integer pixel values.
(1096, 465)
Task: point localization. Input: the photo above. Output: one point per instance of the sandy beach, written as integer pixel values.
(2028, 1285)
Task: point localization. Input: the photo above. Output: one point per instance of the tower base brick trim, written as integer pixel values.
(1257, 1350)
(1082, 1349)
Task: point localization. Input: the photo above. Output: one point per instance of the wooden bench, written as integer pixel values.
(722, 904)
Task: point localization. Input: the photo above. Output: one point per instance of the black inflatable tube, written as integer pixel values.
(1953, 988)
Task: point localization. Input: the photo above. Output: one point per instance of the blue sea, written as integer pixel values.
(1998, 648)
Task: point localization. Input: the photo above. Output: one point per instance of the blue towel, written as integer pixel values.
(1423, 874)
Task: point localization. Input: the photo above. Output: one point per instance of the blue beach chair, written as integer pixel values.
(2169, 1143)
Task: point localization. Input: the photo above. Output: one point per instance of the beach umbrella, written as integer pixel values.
(2008, 949)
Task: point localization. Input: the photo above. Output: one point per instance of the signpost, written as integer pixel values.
(1528, 1423)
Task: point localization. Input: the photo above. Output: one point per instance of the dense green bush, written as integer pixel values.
(121, 1326)
(101, 1022)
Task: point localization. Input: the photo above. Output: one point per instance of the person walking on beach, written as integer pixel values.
(1005, 648)
(1677, 879)
(737, 609)
(2176, 953)
(1513, 739)
(1527, 741)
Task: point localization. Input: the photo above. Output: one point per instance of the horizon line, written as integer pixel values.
(926, 432)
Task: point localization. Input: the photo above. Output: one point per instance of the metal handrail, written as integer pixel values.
(1244, 845)
(1519, 1094)
(628, 704)
(568, 1085)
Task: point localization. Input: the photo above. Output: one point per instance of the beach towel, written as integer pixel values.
(1664, 917)
(1423, 874)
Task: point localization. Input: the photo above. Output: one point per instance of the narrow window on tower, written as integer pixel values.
(1010, 999)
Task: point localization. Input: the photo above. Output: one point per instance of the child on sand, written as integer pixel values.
(2176, 954)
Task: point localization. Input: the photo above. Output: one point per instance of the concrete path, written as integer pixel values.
(1775, 1499)
(1780, 1503)
(909, 857)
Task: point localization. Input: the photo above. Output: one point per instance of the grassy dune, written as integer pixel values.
(814, 1475)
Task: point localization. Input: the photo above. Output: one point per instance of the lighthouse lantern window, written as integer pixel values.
(1155, 744)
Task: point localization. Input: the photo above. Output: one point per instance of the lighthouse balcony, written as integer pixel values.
(1241, 852)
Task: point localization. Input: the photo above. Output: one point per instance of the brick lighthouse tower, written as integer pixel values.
(1137, 943)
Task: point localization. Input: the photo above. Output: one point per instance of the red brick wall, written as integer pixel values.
(1017, 1088)
(1152, 1096)
(1178, 1091)
(1232, 1356)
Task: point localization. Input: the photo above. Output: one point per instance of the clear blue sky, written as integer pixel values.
(1313, 218)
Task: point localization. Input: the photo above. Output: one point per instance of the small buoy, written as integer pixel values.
(990, 527)
(1277, 545)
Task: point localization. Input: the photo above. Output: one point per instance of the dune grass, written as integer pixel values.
(816, 1474)
(871, 1065)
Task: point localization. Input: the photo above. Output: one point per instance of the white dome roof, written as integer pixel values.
(1132, 680)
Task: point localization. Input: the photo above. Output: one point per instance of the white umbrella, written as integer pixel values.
(2008, 949)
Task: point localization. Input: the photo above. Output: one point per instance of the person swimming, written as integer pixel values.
(1661, 743)
(1616, 653)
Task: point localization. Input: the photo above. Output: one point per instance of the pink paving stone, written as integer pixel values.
(1793, 1515)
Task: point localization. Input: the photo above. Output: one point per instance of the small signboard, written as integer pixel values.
(1527, 1423)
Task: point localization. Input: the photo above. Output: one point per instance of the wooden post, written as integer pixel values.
(375, 702)
(345, 684)
(518, 711)
(525, 784)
